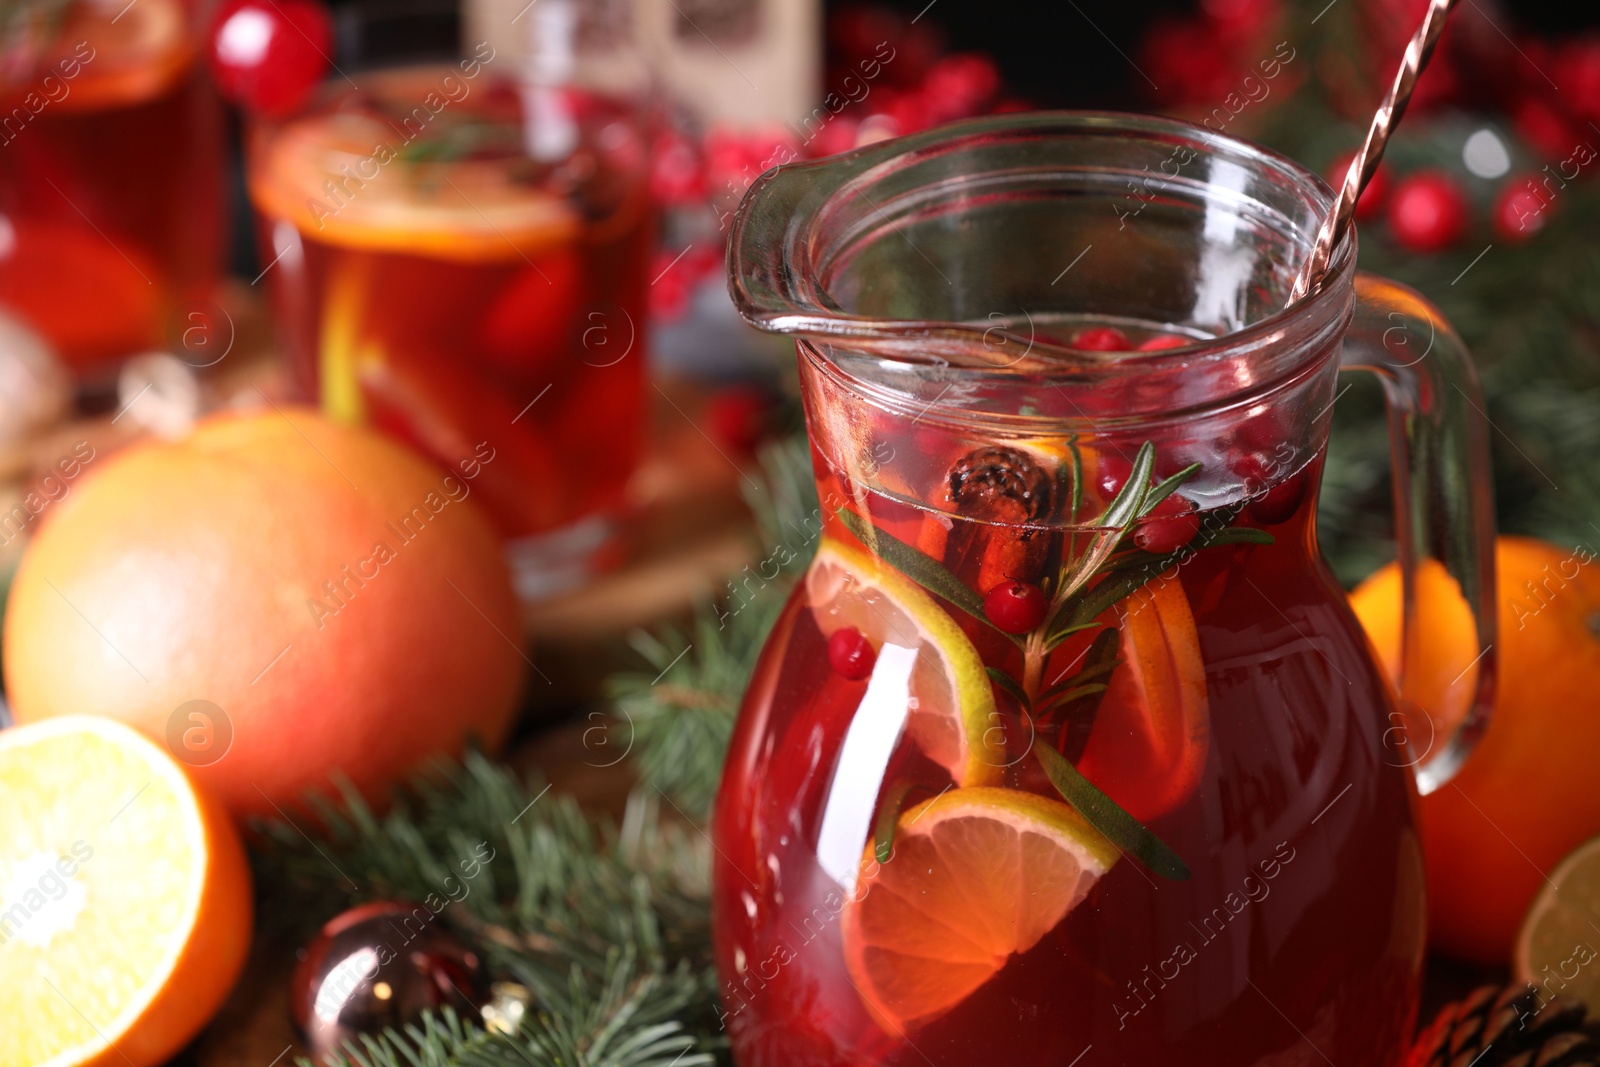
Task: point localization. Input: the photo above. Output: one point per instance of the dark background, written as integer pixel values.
(1054, 53)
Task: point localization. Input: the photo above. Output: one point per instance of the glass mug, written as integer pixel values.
(1067, 748)
(111, 174)
(455, 236)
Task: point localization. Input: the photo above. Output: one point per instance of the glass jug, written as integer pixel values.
(1067, 749)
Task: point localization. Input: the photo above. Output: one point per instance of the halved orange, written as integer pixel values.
(976, 876)
(1152, 731)
(124, 898)
(951, 714)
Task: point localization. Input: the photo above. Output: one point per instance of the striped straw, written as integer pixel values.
(1337, 224)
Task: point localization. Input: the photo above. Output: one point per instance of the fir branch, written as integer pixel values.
(488, 852)
(677, 715)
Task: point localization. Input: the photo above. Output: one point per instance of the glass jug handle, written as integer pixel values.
(1443, 512)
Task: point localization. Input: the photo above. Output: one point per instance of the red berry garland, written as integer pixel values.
(1015, 607)
(1428, 212)
(850, 654)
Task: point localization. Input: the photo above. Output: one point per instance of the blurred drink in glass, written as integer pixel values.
(458, 252)
(111, 171)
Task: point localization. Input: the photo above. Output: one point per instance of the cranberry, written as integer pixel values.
(911, 109)
(1101, 339)
(1114, 471)
(1163, 341)
(1279, 503)
(268, 55)
(850, 654)
(1170, 525)
(1519, 211)
(1428, 212)
(1263, 432)
(1370, 206)
(1015, 607)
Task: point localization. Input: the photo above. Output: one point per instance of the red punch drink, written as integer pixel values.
(459, 258)
(111, 176)
(1067, 748)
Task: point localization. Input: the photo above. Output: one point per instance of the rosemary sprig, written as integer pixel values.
(1087, 586)
(1107, 816)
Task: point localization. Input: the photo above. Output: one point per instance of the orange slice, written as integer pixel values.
(341, 177)
(976, 876)
(105, 56)
(124, 898)
(1152, 731)
(951, 714)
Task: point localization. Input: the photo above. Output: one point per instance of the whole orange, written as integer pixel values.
(277, 599)
(1526, 797)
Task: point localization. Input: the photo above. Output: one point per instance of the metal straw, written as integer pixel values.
(1337, 224)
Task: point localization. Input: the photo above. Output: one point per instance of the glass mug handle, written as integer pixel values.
(1443, 513)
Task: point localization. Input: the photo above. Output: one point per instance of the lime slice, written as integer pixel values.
(1558, 947)
(976, 876)
(952, 715)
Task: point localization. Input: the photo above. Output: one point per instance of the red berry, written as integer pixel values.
(1279, 503)
(1544, 127)
(1519, 210)
(850, 654)
(960, 86)
(1171, 525)
(1101, 339)
(1428, 212)
(1163, 341)
(1370, 206)
(268, 55)
(1579, 67)
(1114, 471)
(1015, 607)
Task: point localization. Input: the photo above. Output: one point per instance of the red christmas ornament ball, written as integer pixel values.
(1428, 211)
(269, 55)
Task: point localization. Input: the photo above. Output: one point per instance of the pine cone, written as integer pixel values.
(1508, 1027)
